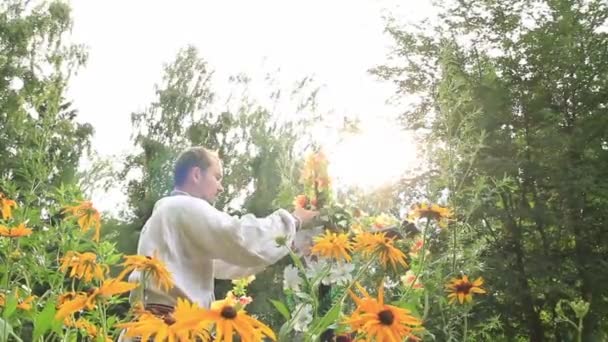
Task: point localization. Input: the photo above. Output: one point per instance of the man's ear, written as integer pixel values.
(195, 173)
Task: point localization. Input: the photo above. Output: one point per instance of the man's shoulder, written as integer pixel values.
(180, 202)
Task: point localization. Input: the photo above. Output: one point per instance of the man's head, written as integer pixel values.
(198, 172)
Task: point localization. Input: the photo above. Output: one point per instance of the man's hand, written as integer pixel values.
(305, 216)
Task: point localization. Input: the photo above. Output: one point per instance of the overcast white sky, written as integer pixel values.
(337, 41)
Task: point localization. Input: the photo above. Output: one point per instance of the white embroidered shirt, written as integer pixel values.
(198, 243)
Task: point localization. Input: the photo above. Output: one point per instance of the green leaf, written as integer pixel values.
(44, 320)
(110, 321)
(5, 330)
(11, 306)
(281, 308)
(284, 332)
(113, 259)
(409, 305)
(57, 326)
(330, 318)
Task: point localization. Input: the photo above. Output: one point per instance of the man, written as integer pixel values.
(198, 243)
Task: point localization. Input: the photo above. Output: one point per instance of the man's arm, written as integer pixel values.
(247, 241)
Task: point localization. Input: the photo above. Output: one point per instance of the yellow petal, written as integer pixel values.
(478, 282)
(477, 290)
(461, 297)
(70, 307)
(112, 287)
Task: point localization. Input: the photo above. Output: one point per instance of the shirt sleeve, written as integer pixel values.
(245, 242)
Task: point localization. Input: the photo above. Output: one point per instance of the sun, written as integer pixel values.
(376, 156)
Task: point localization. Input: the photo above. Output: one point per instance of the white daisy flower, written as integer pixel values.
(341, 273)
(315, 269)
(303, 317)
(291, 278)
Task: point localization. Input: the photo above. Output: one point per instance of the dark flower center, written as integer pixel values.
(169, 320)
(431, 214)
(464, 288)
(228, 312)
(386, 317)
(343, 338)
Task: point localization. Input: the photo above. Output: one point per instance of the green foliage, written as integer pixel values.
(281, 308)
(512, 98)
(40, 141)
(44, 320)
(512, 106)
(249, 138)
(31, 274)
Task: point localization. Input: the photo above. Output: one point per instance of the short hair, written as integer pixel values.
(196, 156)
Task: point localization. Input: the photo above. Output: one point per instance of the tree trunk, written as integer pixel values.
(535, 327)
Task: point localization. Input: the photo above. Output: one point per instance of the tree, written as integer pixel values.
(249, 138)
(40, 141)
(513, 96)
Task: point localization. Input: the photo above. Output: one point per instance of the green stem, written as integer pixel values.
(47, 337)
(66, 335)
(9, 264)
(422, 260)
(579, 336)
(296, 260)
(465, 327)
(300, 266)
(441, 311)
(454, 250)
(16, 337)
(8, 281)
(426, 306)
(104, 321)
(356, 278)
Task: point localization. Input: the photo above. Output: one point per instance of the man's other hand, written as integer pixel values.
(305, 216)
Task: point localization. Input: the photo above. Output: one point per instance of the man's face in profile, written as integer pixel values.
(209, 182)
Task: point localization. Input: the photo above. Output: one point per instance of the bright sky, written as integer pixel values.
(337, 41)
